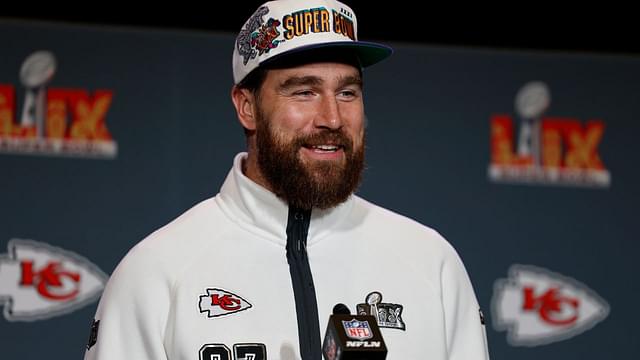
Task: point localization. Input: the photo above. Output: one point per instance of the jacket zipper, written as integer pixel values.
(303, 289)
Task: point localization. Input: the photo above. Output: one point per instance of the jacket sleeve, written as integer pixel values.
(465, 330)
(132, 313)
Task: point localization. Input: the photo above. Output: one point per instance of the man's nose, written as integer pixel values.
(328, 115)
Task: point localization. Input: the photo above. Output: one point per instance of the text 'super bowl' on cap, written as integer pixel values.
(283, 27)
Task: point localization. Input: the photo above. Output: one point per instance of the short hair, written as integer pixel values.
(254, 80)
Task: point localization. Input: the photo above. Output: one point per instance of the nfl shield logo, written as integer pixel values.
(358, 330)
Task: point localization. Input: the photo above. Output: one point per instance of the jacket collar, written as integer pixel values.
(262, 212)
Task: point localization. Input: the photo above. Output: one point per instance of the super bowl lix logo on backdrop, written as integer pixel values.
(39, 281)
(53, 121)
(536, 306)
(550, 150)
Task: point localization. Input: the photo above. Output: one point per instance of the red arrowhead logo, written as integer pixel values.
(39, 281)
(537, 306)
(218, 302)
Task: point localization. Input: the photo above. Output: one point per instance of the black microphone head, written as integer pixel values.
(341, 309)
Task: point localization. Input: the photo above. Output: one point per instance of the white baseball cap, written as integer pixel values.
(284, 27)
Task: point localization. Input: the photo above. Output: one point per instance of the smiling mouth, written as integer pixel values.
(324, 149)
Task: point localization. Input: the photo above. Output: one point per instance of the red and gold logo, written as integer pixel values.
(549, 149)
(54, 121)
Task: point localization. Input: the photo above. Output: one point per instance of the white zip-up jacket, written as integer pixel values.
(216, 282)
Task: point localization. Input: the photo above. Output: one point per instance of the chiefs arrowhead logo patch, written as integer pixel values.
(219, 302)
(39, 281)
(536, 306)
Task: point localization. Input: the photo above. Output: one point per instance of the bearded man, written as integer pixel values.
(254, 272)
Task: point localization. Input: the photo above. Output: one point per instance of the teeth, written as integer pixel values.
(326, 147)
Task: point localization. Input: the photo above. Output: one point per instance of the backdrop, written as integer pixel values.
(526, 162)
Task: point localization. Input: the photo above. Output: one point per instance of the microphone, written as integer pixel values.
(341, 309)
(352, 337)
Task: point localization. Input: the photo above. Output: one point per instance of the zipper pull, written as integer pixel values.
(299, 218)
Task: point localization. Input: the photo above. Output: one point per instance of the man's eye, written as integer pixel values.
(348, 93)
(303, 93)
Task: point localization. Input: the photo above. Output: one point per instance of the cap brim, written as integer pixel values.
(368, 53)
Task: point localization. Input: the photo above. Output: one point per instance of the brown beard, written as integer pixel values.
(319, 184)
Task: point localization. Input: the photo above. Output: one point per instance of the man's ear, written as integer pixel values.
(244, 102)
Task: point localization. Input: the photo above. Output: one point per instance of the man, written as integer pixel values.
(254, 272)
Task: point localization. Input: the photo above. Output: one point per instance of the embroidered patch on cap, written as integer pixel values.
(284, 27)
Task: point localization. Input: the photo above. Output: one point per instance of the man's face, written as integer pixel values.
(310, 133)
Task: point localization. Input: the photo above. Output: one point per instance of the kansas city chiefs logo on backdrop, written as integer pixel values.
(39, 281)
(536, 306)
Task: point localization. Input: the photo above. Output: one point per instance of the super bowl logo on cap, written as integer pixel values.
(305, 21)
(265, 38)
(343, 25)
(317, 20)
(280, 28)
(257, 36)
